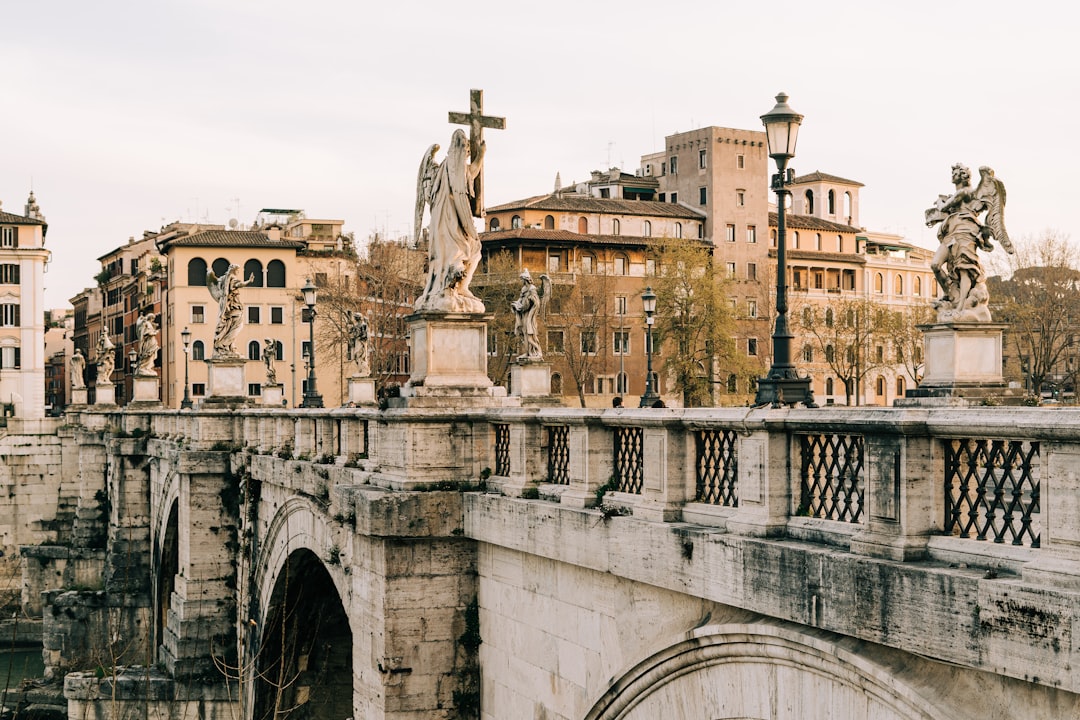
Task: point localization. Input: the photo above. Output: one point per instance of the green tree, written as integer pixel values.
(694, 321)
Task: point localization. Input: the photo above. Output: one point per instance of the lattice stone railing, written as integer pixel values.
(717, 467)
(992, 490)
(832, 477)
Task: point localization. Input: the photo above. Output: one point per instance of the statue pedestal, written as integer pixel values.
(225, 380)
(530, 378)
(362, 390)
(105, 394)
(146, 389)
(272, 394)
(78, 396)
(962, 364)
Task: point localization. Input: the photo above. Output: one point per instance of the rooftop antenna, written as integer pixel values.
(610, 145)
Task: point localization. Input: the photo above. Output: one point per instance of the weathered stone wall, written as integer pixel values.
(32, 472)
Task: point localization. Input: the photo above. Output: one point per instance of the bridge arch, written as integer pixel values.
(763, 672)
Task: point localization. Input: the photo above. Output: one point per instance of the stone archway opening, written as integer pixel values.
(303, 667)
(168, 566)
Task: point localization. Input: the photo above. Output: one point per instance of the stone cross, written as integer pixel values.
(477, 121)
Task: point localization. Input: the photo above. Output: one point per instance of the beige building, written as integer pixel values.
(22, 311)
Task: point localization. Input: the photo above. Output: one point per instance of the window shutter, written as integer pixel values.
(18, 357)
(15, 237)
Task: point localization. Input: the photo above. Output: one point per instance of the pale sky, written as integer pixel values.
(129, 114)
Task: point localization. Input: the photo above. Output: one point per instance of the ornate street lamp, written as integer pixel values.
(312, 398)
(185, 337)
(648, 303)
(782, 386)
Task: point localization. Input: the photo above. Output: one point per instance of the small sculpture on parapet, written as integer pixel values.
(78, 368)
(269, 355)
(962, 234)
(525, 308)
(146, 345)
(358, 344)
(105, 358)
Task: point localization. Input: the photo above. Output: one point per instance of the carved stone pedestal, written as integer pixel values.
(272, 394)
(530, 379)
(362, 391)
(146, 389)
(105, 394)
(78, 396)
(225, 380)
(963, 365)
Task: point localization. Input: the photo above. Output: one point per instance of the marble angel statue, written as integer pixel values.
(226, 291)
(146, 344)
(525, 308)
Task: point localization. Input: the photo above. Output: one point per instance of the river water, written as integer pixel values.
(21, 663)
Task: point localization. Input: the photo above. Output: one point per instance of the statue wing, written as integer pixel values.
(992, 192)
(212, 285)
(544, 290)
(424, 178)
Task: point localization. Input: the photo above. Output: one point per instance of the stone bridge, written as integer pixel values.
(563, 564)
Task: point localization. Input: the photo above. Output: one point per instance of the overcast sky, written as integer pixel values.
(129, 114)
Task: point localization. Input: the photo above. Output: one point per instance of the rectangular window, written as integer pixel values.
(253, 314)
(701, 163)
(674, 197)
(673, 163)
(277, 315)
(587, 264)
(751, 346)
(703, 196)
(10, 358)
(554, 262)
(621, 342)
(740, 161)
(740, 198)
(555, 341)
(620, 304)
(663, 197)
(731, 233)
(198, 314)
(620, 266)
(254, 389)
(492, 344)
(198, 389)
(7, 237)
(320, 279)
(588, 342)
(305, 349)
(731, 269)
(751, 271)
(751, 234)
(751, 308)
(650, 266)
(588, 305)
(9, 274)
(9, 315)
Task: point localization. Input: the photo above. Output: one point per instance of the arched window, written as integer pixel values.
(898, 285)
(198, 350)
(772, 237)
(678, 230)
(817, 241)
(839, 243)
(254, 350)
(918, 286)
(901, 386)
(621, 384)
(808, 198)
(828, 386)
(220, 267)
(494, 224)
(196, 272)
(583, 225)
(830, 353)
(279, 350)
(829, 318)
(549, 222)
(879, 387)
(808, 353)
(647, 230)
(615, 226)
(807, 317)
(795, 240)
(832, 202)
(847, 206)
(254, 268)
(556, 384)
(515, 222)
(879, 283)
(275, 274)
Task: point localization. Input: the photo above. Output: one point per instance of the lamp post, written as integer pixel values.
(132, 357)
(185, 337)
(782, 386)
(648, 303)
(312, 398)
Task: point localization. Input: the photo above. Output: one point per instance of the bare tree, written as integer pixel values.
(1041, 303)
(498, 286)
(579, 319)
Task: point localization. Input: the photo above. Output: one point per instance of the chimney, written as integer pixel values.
(274, 233)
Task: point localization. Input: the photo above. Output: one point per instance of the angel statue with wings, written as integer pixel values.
(146, 344)
(962, 234)
(453, 244)
(226, 290)
(525, 308)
